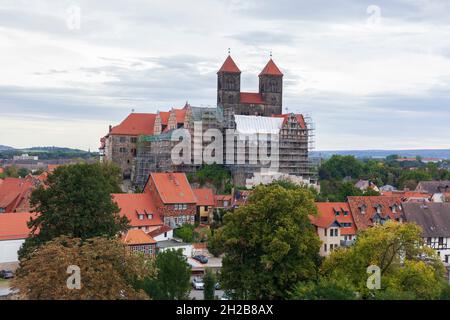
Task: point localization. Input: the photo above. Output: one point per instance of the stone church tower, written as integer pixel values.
(231, 101)
(271, 87)
(228, 90)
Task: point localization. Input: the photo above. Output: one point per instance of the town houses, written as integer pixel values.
(334, 225)
(169, 201)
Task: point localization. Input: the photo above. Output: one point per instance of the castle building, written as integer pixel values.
(144, 145)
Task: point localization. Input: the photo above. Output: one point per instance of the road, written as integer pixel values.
(198, 294)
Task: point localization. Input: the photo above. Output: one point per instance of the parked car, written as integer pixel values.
(198, 283)
(217, 286)
(6, 274)
(225, 296)
(201, 258)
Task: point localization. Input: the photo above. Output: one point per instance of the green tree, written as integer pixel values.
(23, 172)
(186, 232)
(210, 284)
(339, 167)
(172, 281)
(408, 268)
(324, 289)
(269, 244)
(107, 270)
(337, 191)
(11, 172)
(75, 202)
(410, 178)
(215, 246)
(371, 192)
(215, 174)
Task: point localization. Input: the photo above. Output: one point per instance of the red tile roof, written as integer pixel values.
(327, 216)
(406, 195)
(2, 170)
(205, 197)
(14, 226)
(173, 187)
(160, 231)
(137, 237)
(271, 69)
(300, 118)
(136, 124)
(164, 115)
(229, 66)
(15, 193)
(251, 98)
(364, 220)
(219, 198)
(180, 114)
(131, 204)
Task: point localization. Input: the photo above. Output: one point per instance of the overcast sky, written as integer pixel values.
(372, 74)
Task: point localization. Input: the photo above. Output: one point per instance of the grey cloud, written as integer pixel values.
(347, 10)
(264, 38)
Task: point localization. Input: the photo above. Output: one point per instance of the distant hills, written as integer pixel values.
(5, 148)
(41, 149)
(46, 153)
(424, 153)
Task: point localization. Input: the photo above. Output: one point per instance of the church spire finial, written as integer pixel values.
(229, 51)
(270, 54)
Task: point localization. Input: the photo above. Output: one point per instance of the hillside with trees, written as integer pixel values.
(338, 175)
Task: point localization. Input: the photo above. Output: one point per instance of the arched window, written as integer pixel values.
(273, 85)
(230, 83)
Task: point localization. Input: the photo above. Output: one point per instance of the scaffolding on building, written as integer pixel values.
(296, 139)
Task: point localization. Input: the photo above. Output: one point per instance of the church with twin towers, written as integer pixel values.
(143, 142)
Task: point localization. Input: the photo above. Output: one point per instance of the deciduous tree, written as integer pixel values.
(210, 284)
(408, 268)
(269, 244)
(76, 202)
(172, 279)
(107, 270)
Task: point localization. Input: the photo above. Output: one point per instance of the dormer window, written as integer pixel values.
(336, 212)
(378, 208)
(140, 216)
(363, 209)
(345, 212)
(149, 216)
(394, 208)
(376, 219)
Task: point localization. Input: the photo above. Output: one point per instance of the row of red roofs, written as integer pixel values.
(146, 211)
